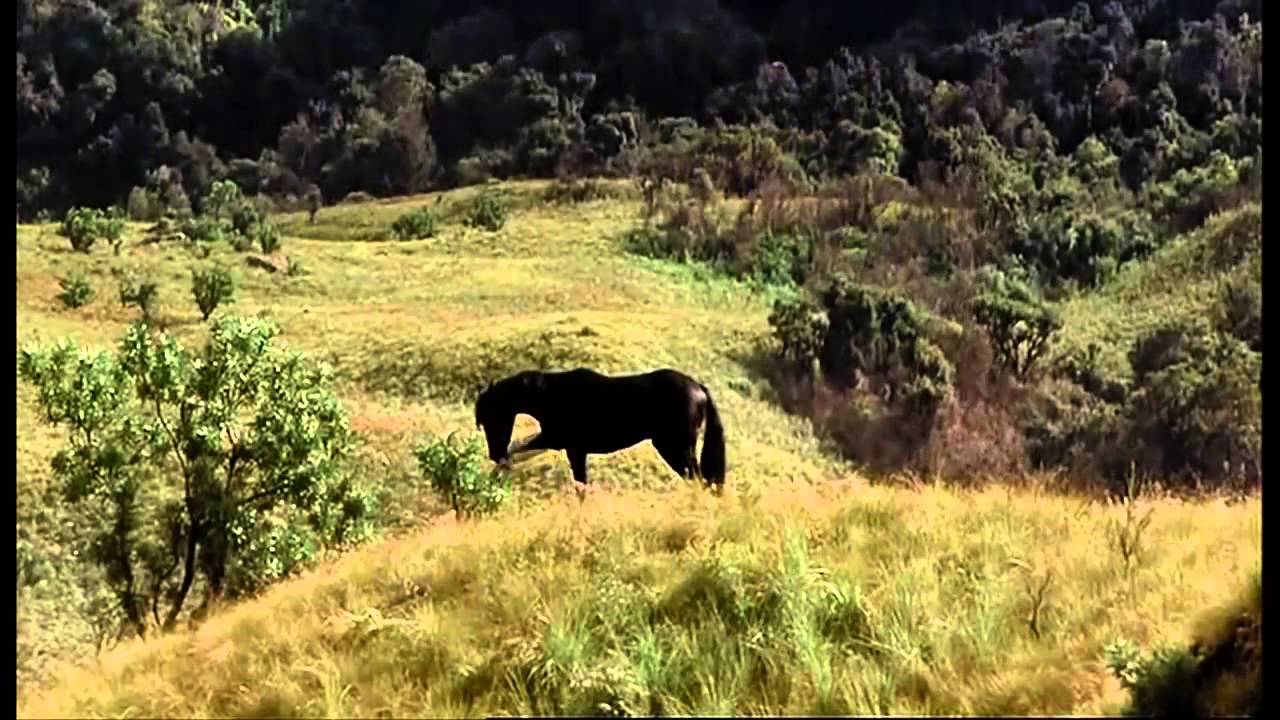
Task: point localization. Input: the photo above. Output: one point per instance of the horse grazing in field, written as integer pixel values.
(583, 412)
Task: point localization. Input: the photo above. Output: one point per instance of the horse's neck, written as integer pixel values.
(529, 404)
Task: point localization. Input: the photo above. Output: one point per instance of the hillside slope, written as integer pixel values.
(803, 590)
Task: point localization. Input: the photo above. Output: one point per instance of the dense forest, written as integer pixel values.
(145, 103)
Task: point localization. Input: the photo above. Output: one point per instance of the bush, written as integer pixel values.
(267, 237)
(886, 381)
(1193, 194)
(1196, 407)
(459, 474)
(253, 477)
(76, 291)
(1068, 246)
(245, 218)
(800, 327)
(211, 287)
(1238, 311)
(223, 200)
(1218, 674)
(416, 224)
(144, 205)
(489, 210)
(568, 191)
(1019, 323)
(141, 292)
(204, 229)
(85, 226)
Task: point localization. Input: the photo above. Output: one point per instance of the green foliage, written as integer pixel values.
(224, 465)
(1192, 194)
(85, 226)
(141, 291)
(872, 332)
(244, 218)
(212, 287)
(1238, 311)
(569, 191)
(1019, 323)
(144, 205)
(1196, 407)
(76, 290)
(267, 236)
(459, 473)
(1219, 673)
(1083, 247)
(223, 200)
(489, 210)
(1161, 683)
(800, 327)
(204, 229)
(417, 224)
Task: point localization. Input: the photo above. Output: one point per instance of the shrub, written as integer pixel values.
(459, 474)
(1219, 673)
(204, 229)
(223, 200)
(252, 477)
(1087, 248)
(144, 205)
(800, 327)
(245, 218)
(267, 237)
(1238, 311)
(76, 291)
(872, 332)
(1193, 194)
(1196, 407)
(489, 210)
(567, 191)
(1019, 323)
(886, 381)
(416, 224)
(85, 226)
(211, 287)
(141, 292)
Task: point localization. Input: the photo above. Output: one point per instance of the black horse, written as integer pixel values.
(583, 412)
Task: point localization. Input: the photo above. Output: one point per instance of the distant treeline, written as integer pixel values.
(289, 96)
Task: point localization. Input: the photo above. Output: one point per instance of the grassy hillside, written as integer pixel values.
(805, 589)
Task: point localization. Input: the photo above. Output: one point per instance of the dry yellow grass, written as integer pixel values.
(805, 589)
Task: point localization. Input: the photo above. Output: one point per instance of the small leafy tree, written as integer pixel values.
(458, 474)
(1018, 322)
(873, 333)
(1196, 407)
(76, 291)
(489, 211)
(223, 200)
(211, 287)
(799, 326)
(267, 236)
(85, 226)
(415, 225)
(223, 467)
(139, 291)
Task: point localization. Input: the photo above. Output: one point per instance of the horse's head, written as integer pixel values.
(495, 414)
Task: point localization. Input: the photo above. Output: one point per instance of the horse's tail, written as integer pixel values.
(713, 461)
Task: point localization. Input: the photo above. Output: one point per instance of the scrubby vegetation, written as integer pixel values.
(929, 251)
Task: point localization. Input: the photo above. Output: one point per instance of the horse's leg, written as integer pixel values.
(578, 464)
(676, 455)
